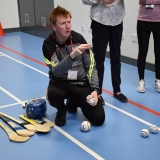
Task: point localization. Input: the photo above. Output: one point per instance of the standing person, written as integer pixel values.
(148, 21)
(107, 26)
(72, 70)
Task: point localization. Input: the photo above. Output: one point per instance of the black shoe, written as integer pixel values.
(121, 97)
(70, 108)
(100, 97)
(60, 119)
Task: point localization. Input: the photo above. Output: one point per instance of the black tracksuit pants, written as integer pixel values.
(60, 90)
(101, 35)
(144, 30)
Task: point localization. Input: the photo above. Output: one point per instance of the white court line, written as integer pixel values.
(129, 114)
(25, 64)
(9, 105)
(118, 109)
(92, 153)
(122, 111)
(11, 95)
(79, 144)
(13, 104)
(108, 104)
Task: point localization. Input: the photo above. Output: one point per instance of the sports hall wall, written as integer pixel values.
(9, 18)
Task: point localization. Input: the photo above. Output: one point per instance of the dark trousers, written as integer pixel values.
(101, 35)
(59, 90)
(143, 42)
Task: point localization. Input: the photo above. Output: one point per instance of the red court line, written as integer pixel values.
(136, 104)
(106, 91)
(34, 60)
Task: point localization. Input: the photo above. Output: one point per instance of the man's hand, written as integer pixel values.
(108, 1)
(79, 50)
(94, 95)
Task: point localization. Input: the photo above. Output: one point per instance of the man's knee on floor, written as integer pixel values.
(98, 119)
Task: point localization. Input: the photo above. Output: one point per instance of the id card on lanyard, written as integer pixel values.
(72, 75)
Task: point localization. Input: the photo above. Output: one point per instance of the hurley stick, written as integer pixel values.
(18, 129)
(28, 126)
(39, 127)
(45, 122)
(13, 136)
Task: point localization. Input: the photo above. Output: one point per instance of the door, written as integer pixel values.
(42, 12)
(27, 16)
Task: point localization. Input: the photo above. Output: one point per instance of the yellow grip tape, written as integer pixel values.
(26, 119)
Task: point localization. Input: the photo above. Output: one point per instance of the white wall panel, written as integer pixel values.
(129, 47)
(80, 12)
(9, 14)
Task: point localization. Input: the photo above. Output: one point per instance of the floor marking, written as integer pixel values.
(129, 114)
(13, 104)
(23, 55)
(92, 153)
(129, 101)
(79, 143)
(134, 103)
(11, 95)
(25, 64)
(108, 104)
(9, 105)
(137, 105)
(144, 108)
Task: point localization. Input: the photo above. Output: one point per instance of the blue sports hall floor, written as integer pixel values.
(23, 76)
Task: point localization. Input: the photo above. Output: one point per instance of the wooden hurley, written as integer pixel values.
(39, 127)
(28, 126)
(13, 136)
(45, 122)
(18, 129)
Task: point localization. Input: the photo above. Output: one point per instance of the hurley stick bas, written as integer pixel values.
(18, 129)
(44, 121)
(39, 127)
(28, 126)
(13, 136)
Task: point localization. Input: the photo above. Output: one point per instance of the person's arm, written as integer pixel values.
(56, 67)
(50, 57)
(90, 65)
(91, 2)
(79, 50)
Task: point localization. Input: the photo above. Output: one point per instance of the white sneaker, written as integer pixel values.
(141, 86)
(157, 85)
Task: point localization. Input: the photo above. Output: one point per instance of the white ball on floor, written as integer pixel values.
(144, 133)
(153, 129)
(85, 126)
